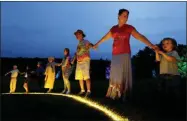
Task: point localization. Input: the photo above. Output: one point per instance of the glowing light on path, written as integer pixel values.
(113, 115)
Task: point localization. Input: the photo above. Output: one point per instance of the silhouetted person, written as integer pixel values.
(40, 76)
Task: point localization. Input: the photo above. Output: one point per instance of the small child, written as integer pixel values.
(66, 71)
(27, 75)
(168, 58)
(13, 80)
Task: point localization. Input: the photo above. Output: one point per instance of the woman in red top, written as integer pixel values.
(121, 72)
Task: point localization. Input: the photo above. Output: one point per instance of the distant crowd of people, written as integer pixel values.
(121, 69)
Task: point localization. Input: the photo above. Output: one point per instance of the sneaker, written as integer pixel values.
(81, 93)
(68, 92)
(88, 94)
(49, 91)
(63, 91)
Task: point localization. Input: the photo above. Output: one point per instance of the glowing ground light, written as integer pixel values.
(113, 115)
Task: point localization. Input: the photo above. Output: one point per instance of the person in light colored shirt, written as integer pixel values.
(168, 57)
(13, 81)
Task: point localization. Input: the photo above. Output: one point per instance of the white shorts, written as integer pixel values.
(82, 70)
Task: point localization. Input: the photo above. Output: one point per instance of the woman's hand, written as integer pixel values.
(32, 72)
(95, 47)
(160, 52)
(104, 38)
(155, 48)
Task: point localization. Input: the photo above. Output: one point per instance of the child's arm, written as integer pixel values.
(89, 45)
(58, 64)
(21, 73)
(7, 73)
(74, 58)
(157, 56)
(169, 58)
(92, 46)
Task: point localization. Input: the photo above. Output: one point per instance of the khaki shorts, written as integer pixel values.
(82, 70)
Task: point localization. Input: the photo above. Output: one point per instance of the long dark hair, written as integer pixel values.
(123, 10)
(68, 52)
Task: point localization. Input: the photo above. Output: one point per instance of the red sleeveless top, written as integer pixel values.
(121, 36)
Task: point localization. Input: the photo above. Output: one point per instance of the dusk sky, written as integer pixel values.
(42, 29)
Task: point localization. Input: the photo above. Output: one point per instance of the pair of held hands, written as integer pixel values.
(157, 50)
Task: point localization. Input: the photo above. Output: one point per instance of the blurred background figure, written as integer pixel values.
(40, 76)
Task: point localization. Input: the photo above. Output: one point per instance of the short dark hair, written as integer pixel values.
(123, 10)
(39, 63)
(173, 41)
(68, 51)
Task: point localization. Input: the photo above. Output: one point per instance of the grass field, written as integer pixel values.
(52, 108)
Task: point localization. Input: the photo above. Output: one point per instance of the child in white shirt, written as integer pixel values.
(13, 80)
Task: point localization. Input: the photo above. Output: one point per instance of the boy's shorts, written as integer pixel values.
(82, 70)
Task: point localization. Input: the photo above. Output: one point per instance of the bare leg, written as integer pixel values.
(81, 82)
(88, 85)
(65, 87)
(49, 91)
(109, 91)
(25, 85)
(67, 84)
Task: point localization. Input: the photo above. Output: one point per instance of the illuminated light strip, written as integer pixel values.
(113, 115)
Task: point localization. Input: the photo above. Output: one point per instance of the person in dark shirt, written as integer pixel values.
(40, 75)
